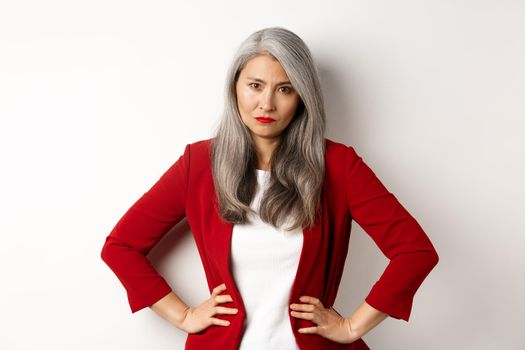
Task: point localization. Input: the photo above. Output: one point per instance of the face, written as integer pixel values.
(264, 91)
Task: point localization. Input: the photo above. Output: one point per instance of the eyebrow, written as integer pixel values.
(262, 81)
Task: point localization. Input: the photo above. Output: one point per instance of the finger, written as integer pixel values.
(218, 289)
(219, 322)
(303, 307)
(308, 330)
(226, 310)
(311, 300)
(223, 298)
(304, 315)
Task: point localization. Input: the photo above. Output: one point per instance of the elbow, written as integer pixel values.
(432, 259)
(436, 257)
(106, 252)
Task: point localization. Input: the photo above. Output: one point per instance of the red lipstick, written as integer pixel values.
(264, 119)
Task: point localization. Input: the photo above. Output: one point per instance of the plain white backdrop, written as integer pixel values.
(99, 98)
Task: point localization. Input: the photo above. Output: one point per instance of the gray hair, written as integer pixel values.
(297, 163)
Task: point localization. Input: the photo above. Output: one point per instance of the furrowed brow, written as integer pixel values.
(262, 81)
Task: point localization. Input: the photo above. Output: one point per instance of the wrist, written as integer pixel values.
(179, 314)
(364, 319)
(354, 331)
(172, 309)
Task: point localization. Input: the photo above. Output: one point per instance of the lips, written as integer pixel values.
(264, 119)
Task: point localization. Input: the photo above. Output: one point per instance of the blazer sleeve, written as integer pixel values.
(140, 228)
(397, 234)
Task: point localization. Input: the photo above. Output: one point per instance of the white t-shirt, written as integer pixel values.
(264, 262)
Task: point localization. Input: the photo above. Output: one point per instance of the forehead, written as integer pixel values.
(264, 66)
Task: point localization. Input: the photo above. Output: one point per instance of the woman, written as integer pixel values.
(270, 203)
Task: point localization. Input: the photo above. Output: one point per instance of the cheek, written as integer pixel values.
(245, 95)
(290, 107)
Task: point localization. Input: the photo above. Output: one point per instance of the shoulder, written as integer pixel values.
(200, 145)
(196, 155)
(338, 152)
(341, 158)
(335, 151)
(334, 146)
(198, 149)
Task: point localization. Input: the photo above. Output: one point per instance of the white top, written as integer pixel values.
(264, 262)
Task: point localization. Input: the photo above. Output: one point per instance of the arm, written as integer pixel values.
(364, 319)
(171, 308)
(397, 234)
(140, 228)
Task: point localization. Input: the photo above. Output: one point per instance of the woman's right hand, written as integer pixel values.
(196, 319)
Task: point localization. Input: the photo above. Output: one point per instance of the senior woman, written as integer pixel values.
(270, 202)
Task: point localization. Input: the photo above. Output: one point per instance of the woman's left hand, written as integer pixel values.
(329, 323)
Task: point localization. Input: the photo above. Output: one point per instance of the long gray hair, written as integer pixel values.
(297, 164)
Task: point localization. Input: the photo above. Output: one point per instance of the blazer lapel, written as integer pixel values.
(309, 279)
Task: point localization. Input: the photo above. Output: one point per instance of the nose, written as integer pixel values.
(266, 103)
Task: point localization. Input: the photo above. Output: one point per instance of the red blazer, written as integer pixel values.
(351, 192)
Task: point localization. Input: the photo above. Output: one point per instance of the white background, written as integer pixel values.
(99, 98)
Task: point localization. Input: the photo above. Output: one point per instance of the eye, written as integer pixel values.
(287, 89)
(253, 85)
